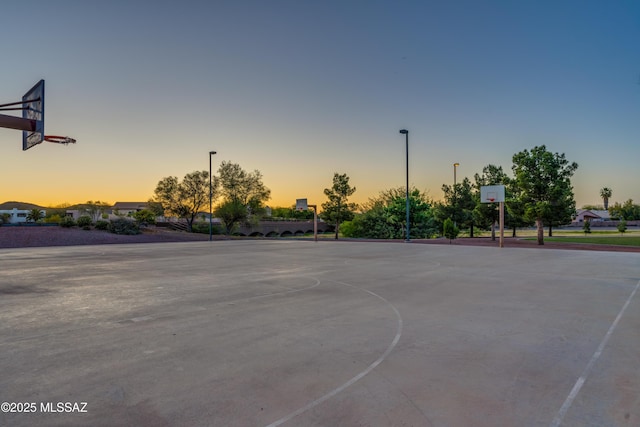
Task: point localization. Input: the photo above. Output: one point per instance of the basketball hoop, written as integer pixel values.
(59, 139)
(491, 199)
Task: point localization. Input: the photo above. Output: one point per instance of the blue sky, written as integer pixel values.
(302, 89)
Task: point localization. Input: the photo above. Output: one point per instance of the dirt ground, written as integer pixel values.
(23, 237)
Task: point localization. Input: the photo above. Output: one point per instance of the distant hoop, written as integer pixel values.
(491, 199)
(59, 139)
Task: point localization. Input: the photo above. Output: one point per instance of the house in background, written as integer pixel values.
(17, 212)
(126, 209)
(119, 209)
(591, 215)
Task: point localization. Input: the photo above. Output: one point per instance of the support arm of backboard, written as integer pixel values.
(17, 123)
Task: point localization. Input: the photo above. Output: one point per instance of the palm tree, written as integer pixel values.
(35, 215)
(605, 193)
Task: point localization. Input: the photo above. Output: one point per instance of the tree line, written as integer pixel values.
(242, 196)
(540, 193)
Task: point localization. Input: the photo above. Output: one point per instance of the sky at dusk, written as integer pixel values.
(302, 89)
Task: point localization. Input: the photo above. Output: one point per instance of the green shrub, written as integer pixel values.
(145, 217)
(203, 228)
(102, 225)
(587, 227)
(450, 231)
(622, 226)
(123, 226)
(84, 221)
(67, 222)
(53, 219)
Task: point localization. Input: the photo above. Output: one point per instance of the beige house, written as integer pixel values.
(126, 209)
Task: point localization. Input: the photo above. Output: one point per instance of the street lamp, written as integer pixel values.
(455, 165)
(406, 134)
(211, 153)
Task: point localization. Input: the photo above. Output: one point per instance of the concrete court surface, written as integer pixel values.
(297, 333)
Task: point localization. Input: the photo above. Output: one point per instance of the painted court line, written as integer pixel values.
(587, 370)
(357, 377)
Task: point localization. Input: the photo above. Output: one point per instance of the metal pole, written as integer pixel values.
(211, 153)
(455, 195)
(501, 224)
(17, 123)
(407, 189)
(406, 134)
(315, 221)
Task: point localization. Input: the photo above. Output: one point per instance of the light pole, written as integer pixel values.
(406, 134)
(455, 166)
(211, 153)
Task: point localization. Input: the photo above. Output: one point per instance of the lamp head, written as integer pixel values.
(212, 152)
(404, 131)
(456, 164)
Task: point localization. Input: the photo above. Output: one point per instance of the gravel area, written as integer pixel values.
(21, 237)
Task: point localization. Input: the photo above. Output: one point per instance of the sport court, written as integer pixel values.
(297, 333)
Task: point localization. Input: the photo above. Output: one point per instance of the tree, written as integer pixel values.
(627, 211)
(338, 208)
(459, 203)
(155, 208)
(544, 179)
(184, 199)
(488, 213)
(94, 209)
(35, 215)
(231, 213)
(243, 194)
(622, 226)
(145, 217)
(606, 193)
(561, 211)
(450, 231)
(290, 213)
(515, 208)
(384, 217)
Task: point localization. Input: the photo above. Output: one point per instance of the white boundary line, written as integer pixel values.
(587, 370)
(357, 377)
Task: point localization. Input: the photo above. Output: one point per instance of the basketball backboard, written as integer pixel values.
(301, 205)
(492, 194)
(33, 103)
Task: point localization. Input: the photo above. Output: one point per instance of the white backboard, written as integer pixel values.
(301, 205)
(492, 194)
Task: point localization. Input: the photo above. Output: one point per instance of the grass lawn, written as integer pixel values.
(607, 239)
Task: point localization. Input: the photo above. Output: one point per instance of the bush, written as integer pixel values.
(84, 221)
(145, 217)
(450, 231)
(102, 225)
(123, 226)
(203, 228)
(587, 227)
(53, 219)
(622, 226)
(67, 222)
